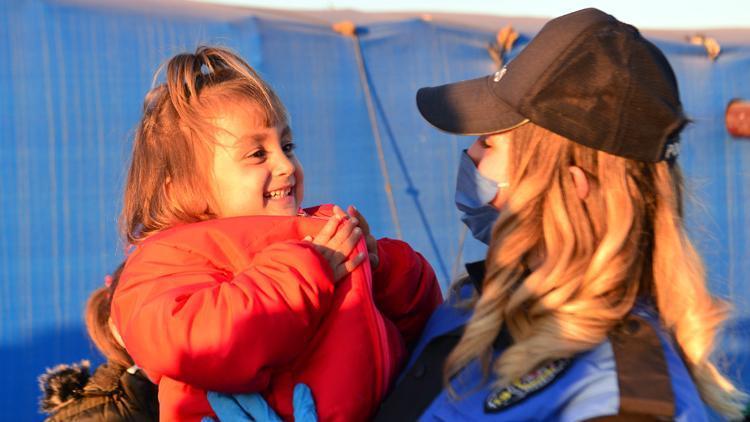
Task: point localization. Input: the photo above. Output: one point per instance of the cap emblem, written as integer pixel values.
(672, 151)
(499, 74)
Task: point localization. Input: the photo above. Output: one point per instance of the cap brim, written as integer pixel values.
(467, 108)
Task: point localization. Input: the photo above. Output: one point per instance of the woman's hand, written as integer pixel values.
(335, 242)
(252, 407)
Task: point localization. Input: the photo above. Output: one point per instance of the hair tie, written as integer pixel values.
(129, 249)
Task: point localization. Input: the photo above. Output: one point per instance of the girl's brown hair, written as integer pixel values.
(167, 183)
(97, 323)
(625, 240)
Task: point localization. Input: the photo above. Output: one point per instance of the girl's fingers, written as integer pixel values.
(337, 211)
(346, 247)
(354, 212)
(326, 233)
(370, 241)
(347, 267)
(344, 231)
(324, 252)
(345, 215)
(337, 239)
(353, 263)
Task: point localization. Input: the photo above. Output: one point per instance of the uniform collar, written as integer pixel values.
(476, 271)
(476, 274)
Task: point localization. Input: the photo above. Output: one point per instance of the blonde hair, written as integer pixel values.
(625, 240)
(175, 135)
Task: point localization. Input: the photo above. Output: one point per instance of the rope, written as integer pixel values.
(459, 254)
(348, 28)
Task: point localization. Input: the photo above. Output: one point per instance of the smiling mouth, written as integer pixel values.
(279, 193)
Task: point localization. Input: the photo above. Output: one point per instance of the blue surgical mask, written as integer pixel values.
(473, 195)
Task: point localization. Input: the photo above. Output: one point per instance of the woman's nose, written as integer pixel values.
(476, 150)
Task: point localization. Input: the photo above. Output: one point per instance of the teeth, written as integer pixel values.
(280, 193)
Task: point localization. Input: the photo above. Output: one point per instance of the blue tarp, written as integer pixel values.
(71, 85)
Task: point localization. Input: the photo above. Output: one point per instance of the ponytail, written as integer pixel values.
(187, 75)
(97, 323)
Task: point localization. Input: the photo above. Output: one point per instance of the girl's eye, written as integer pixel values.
(257, 154)
(289, 147)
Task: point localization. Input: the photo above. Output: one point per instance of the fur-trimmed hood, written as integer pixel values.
(62, 385)
(111, 393)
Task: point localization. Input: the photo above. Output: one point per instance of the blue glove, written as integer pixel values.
(253, 408)
(303, 404)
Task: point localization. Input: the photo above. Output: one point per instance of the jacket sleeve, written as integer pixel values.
(186, 318)
(405, 288)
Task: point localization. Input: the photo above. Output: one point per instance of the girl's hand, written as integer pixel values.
(335, 242)
(372, 243)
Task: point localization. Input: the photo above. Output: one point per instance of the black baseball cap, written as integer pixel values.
(585, 76)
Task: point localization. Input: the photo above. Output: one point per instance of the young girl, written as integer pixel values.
(230, 286)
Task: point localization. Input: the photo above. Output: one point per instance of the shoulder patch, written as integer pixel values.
(521, 388)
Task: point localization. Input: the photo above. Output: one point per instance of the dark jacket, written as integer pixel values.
(112, 393)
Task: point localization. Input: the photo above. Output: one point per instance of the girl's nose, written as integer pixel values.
(283, 165)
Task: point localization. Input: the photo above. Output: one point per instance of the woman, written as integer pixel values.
(594, 303)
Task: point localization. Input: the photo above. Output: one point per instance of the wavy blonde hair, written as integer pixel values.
(594, 258)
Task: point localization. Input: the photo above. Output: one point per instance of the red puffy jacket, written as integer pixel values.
(241, 305)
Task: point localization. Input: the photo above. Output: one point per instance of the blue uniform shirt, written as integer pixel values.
(587, 388)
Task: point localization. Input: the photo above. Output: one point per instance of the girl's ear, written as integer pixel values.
(581, 182)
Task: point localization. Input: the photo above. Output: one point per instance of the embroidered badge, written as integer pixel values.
(522, 387)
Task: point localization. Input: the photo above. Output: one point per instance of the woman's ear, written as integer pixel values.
(168, 185)
(581, 182)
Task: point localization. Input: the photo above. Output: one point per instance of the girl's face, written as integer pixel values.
(255, 171)
(490, 154)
